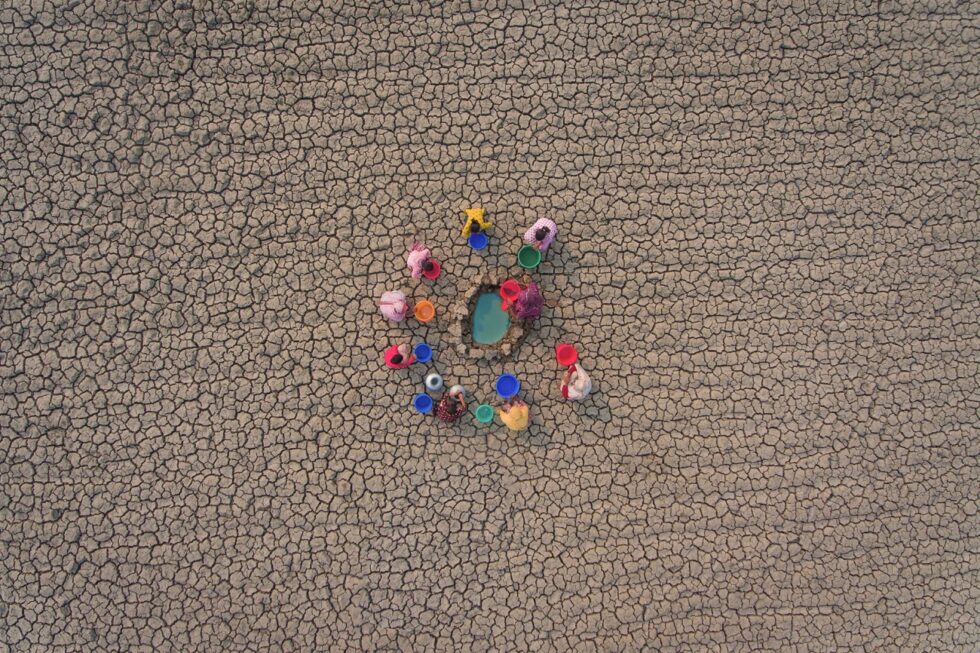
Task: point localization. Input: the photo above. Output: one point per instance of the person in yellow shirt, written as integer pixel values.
(475, 222)
(514, 414)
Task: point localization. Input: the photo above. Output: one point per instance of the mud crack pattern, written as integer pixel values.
(768, 257)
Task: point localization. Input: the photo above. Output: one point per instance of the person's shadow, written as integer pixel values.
(539, 433)
(595, 407)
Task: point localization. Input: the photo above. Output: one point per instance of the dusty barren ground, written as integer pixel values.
(769, 257)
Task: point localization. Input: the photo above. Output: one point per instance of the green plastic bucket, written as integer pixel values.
(528, 257)
(484, 413)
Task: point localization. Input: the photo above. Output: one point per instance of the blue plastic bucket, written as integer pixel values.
(507, 385)
(423, 353)
(478, 241)
(422, 403)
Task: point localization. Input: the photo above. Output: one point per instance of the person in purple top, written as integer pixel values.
(541, 234)
(529, 302)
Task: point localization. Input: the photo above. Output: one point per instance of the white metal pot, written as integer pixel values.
(433, 382)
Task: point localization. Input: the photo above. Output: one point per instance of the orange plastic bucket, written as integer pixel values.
(424, 310)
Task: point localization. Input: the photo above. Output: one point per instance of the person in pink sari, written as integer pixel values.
(541, 234)
(417, 257)
(394, 305)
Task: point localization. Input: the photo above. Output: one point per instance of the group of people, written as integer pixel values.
(540, 235)
(515, 413)
(530, 301)
(395, 306)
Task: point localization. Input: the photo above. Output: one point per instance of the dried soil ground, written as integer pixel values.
(768, 256)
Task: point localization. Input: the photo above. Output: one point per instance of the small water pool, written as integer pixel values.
(490, 320)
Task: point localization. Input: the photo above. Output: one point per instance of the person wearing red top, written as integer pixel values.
(399, 356)
(451, 407)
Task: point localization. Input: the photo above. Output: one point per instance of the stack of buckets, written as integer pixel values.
(423, 402)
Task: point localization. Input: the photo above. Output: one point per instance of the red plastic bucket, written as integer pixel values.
(566, 354)
(509, 290)
(434, 273)
(508, 293)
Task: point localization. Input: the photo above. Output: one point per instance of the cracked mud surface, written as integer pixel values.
(768, 257)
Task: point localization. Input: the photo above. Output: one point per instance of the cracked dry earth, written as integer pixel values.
(768, 257)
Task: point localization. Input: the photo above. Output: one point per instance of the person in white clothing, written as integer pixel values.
(576, 384)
